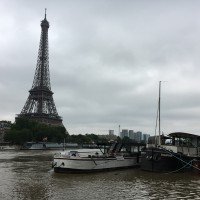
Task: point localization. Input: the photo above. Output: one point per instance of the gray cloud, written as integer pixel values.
(106, 58)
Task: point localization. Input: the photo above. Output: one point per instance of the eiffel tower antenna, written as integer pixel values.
(40, 105)
(45, 13)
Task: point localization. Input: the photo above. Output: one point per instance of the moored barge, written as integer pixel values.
(179, 152)
(118, 156)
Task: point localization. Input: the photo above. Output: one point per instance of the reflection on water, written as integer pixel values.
(28, 175)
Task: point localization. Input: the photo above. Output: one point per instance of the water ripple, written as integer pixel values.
(28, 175)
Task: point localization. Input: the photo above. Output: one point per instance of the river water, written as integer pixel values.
(28, 175)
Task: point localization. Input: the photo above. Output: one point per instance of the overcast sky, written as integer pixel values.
(106, 59)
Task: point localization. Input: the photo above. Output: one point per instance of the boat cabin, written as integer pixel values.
(178, 142)
(153, 141)
(186, 143)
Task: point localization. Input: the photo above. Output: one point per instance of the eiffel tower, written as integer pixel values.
(40, 105)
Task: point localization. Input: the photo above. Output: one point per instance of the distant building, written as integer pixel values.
(124, 133)
(138, 136)
(4, 126)
(111, 132)
(131, 134)
(145, 137)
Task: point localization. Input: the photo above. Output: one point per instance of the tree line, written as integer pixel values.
(24, 130)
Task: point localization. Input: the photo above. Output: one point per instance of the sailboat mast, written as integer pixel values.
(159, 142)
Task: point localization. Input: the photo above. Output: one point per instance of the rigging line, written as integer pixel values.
(181, 167)
(156, 123)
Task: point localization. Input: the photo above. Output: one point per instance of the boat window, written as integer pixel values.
(168, 142)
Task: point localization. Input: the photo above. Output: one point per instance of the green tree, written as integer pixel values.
(24, 130)
(18, 136)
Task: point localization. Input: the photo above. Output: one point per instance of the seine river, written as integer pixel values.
(28, 175)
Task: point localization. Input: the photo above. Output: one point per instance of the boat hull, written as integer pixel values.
(158, 160)
(65, 165)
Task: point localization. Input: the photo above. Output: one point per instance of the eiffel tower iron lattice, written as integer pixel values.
(40, 105)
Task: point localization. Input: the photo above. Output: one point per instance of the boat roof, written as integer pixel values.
(183, 135)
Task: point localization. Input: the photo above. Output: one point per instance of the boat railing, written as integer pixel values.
(189, 151)
(170, 148)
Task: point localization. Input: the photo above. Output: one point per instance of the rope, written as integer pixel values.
(53, 164)
(56, 164)
(93, 160)
(101, 163)
(181, 159)
(181, 167)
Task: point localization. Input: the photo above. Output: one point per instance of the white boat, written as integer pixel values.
(47, 146)
(7, 147)
(118, 156)
(42, 146)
